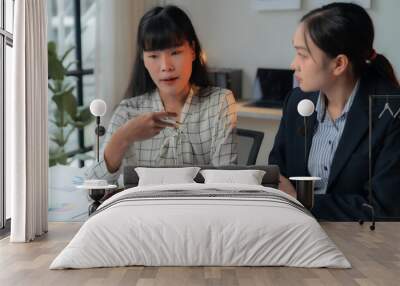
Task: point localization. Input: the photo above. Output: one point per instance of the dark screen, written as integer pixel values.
(274, 84)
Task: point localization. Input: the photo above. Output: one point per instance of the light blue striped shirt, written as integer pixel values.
(325, 140)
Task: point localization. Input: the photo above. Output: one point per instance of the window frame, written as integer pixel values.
(79, 73)
(6, 39)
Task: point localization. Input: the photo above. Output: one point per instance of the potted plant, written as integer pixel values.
(67, 116)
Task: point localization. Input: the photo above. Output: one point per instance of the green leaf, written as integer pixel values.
(58, 156)
(53, 151)
(53, 90)
(58, 85)
(51, 46)
(66, 101)
(55, 140)
(52, 161)
(65, 110)
(66, 54)
(84, 115)
(56, 69)
(70, 64)
(69, 134)
(83, 157)
(61, 118)
(78, 124)
(58, 137)
(62, 159)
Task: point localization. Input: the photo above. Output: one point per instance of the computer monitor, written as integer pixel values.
(271, 87)
(227, 78)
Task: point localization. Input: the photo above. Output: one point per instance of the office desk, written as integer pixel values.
(260, 119)
(258, 112)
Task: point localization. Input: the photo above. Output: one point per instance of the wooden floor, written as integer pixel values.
(375, 257)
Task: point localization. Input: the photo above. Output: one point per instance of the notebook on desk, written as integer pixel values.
(271, 87)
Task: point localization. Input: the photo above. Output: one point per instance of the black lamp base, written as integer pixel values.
(93, 207)
(96, 195)
(371, 208)
(305, 190)
(305, 193)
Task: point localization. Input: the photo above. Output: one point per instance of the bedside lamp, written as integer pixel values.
(98, 108)
(305, 185)
(305, 108)
(97, 188)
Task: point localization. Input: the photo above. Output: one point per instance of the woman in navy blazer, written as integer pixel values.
(337, 68)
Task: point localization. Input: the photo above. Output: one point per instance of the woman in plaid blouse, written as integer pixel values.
(171, 116)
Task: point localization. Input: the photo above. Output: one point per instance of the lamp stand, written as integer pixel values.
(305, 143)
(97, 138)
(100, 131)
(96, 195)
(369, 205)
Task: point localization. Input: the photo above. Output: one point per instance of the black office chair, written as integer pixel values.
(248, 146)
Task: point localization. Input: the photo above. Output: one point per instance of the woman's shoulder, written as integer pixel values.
(214, 97)
(213, 91)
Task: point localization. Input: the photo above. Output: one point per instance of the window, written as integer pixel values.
(6, 43)
(72, 25)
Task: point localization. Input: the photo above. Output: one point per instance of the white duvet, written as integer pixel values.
(181, 231)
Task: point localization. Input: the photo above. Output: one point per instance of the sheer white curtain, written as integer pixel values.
(26, 130)
(117, 23)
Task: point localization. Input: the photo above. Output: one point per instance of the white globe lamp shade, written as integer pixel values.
(98, 107)
(306, 107)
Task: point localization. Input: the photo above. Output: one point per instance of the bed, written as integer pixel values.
(201, 224)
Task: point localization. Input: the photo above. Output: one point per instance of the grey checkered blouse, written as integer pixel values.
(205, 137)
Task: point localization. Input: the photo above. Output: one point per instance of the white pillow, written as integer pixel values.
(164, 176)
(248, 177)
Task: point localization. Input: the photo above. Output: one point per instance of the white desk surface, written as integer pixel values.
(258, 112)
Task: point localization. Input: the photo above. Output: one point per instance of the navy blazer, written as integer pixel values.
(347, 187)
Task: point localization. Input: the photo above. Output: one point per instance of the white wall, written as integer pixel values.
(236, 36)
(385, 14)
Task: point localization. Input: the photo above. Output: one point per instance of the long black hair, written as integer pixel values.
(162, 28)
(346, 28)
